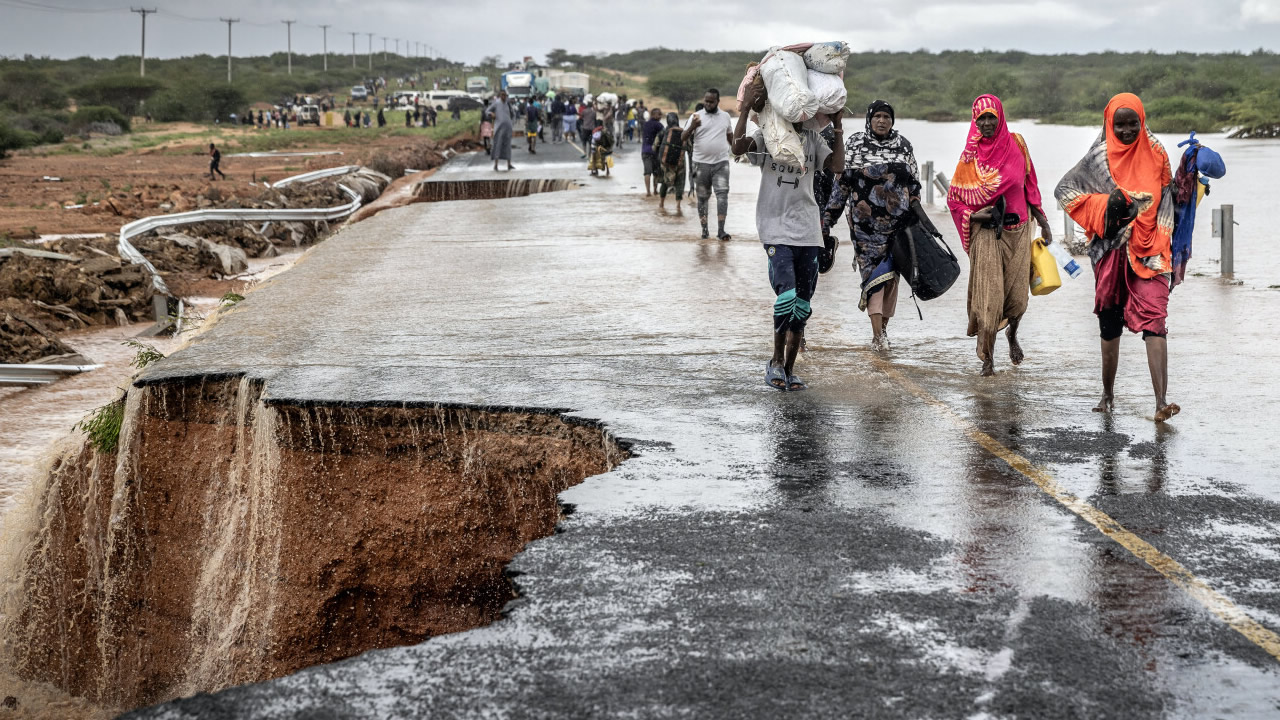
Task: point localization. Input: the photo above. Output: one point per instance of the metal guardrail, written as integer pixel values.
(285, 153)
(38, 374)
(155, 222)
(315, 175)
(45, 374)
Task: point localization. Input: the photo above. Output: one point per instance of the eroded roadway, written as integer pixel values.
(895, 542)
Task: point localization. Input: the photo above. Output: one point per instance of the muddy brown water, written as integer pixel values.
(230, 539)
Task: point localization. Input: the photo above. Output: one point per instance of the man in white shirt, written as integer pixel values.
(712, 134)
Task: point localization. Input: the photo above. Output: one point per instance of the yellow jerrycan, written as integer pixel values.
(1044, 269)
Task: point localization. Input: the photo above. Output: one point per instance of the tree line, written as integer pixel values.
(42, 100)
(1181, 91)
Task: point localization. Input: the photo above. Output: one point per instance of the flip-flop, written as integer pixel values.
(774, 373)
(793, 382)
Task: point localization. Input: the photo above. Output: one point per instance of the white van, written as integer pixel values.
(359, 92)
(439, 99)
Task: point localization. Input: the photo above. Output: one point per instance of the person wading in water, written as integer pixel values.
(1121, 193)
(711, 133)
(790, 226)
(500, 112)
(992, 199)
(879, 183)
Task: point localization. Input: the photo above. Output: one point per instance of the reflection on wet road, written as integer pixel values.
(904, 539)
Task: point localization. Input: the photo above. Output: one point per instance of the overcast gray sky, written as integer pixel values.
(470, 29)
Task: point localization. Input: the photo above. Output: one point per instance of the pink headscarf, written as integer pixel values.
(989, 168)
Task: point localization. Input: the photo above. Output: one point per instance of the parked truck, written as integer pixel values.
(518, 83)
(572, 83)
(478, 85)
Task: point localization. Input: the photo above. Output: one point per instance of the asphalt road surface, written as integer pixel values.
(904, 539)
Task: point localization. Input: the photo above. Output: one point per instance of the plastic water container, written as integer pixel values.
(1044, 269)
(1065, 261)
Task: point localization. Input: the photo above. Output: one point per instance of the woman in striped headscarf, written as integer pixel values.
(992, 199)
(1121, 194)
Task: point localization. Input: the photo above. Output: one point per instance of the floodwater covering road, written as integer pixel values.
(905, 539)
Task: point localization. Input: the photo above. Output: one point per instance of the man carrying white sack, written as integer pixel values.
(712, 135)
(789, 225)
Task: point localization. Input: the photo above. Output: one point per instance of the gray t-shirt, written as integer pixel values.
(786, 211)
(711, 140)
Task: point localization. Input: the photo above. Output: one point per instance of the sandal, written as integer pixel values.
(775, 377)
(795, 384)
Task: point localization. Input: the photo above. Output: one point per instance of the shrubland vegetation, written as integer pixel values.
(42, 100)
(1181, 91)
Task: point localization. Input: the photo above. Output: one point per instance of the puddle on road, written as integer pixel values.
(230, 540)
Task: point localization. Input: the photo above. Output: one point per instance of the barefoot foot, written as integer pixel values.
(1167, 412)
(1106, 405)
(988, 369)
(1015, 351)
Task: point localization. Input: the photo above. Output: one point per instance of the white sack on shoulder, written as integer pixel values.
(827, 57)
(780, 138)
(829, 90)
(786, 79)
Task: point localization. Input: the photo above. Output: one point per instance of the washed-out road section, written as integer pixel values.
(849, 551)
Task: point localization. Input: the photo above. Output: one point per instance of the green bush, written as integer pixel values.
(24, 89)
(48, 127)
(14, 139)
(194, 104)
(125, 93)
(85, 116)
(175, 105)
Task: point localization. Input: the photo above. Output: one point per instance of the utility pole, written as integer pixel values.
(289, 34)
(370, 51)
(229, 21)
(144, 13)
(325, 28)
(384, 49)
(353, 47)
(397, 47)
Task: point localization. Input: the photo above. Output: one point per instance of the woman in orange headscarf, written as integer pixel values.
(993, 197)
(1120, 193)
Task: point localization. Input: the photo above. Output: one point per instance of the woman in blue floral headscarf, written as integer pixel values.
(879, 182)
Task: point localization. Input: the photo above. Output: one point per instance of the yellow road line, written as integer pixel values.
(1214, 601)
(575, 147)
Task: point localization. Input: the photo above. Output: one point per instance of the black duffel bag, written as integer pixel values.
(923, 258)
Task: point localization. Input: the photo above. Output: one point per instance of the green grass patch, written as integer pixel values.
(146, 354)
(103, 424)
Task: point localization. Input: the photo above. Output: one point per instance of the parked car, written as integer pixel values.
(359, 92)
(463, 103)
(309, 115)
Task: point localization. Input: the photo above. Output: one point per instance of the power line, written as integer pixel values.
(40, 7)
(144, 12)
